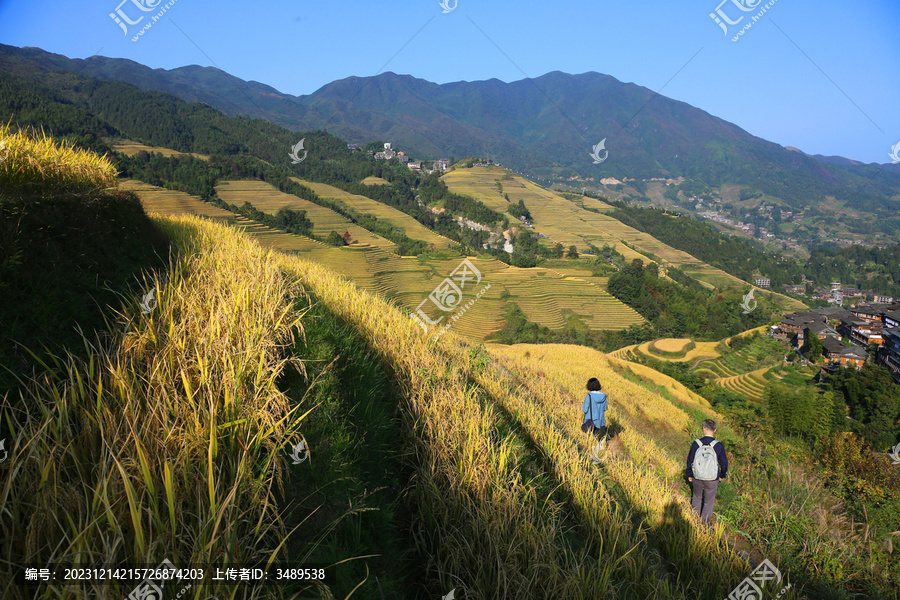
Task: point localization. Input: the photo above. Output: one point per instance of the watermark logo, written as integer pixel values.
(751, 587)
(596, 152)
(450, 596)
(445, 4)
(895, 152)
(448, 294)
(595, 455)
(4, 151)
(5, 454)
(748, 298)
(151, 588)
(296, 449)
(122, 19)
(723, 20)
(149, 303)
(295, 158)
(894, 454)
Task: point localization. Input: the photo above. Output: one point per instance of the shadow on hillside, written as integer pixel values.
(66, 264)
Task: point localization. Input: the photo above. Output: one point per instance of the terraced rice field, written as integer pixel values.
(752, 385)
(382, 211)
(170, 202)
(267, 199)
(702, 351)
(570, 223)
(130, 148)
(764, 352)
(544, 295)
(671, 344)
(555, 217)
(375, 181)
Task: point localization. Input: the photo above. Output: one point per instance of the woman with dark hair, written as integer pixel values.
(594, 409)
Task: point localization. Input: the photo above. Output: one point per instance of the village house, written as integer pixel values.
(889, 354)
(891, 318)
(871, 313)
(820, 329)
(442, 164)
(854, 356)
(866, 334)
(832, 348)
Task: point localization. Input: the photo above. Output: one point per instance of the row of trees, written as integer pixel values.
(684, 310)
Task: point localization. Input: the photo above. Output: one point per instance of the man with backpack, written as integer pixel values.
(707, 465)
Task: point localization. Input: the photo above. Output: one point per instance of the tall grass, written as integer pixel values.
(32, 163)
(168, 440)
(482, 526)
(644, 477)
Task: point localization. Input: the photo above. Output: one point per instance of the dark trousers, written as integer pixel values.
(705, 493)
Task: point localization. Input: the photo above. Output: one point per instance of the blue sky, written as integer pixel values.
(822, 76)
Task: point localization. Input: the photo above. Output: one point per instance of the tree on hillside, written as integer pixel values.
(873, 399)
(573, 252)
(519, 210)
(335, 239)
(802, 411)
(814, 348)
(559, 250)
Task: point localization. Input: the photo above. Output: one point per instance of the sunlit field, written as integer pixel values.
(549, 297)
(267, 199)
(568, 222)
(383, 212)
(130, 148)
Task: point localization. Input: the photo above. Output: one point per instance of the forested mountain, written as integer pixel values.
(86, 110)
(544, 126)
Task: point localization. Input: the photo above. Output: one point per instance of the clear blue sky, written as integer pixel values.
(821, 76)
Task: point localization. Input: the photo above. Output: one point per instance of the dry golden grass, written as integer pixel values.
(375, 181)
(167, 439)
(32, 163)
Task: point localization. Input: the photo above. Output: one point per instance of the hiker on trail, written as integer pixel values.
(707, 465)
(594, 409)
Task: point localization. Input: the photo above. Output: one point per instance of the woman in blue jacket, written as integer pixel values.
(594, 409)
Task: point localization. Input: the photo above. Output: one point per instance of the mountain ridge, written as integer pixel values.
(543, 127)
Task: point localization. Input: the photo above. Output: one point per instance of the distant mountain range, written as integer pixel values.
(543, 127)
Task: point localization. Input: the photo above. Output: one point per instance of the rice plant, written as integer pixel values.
(168, 439)
(33, 163)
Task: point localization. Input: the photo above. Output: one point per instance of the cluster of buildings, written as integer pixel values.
(441, 164)
(834, 295)
(846, 334)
